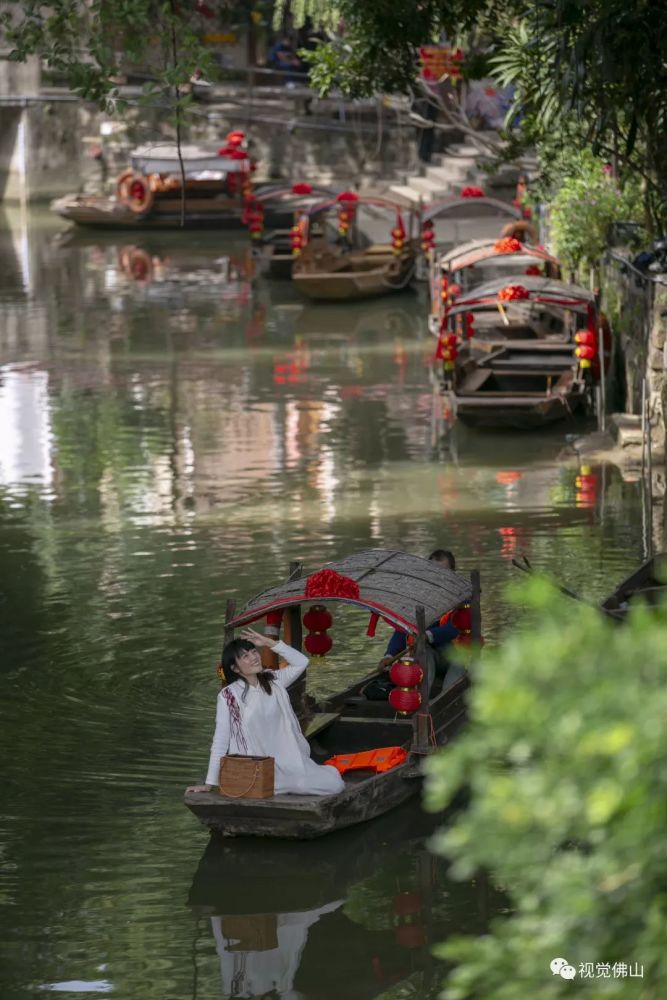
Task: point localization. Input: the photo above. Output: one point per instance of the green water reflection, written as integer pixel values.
(174, 430)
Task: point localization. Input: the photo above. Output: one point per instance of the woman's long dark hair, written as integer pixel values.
(231, 651)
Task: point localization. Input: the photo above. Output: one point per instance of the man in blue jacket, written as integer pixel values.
(439, 636)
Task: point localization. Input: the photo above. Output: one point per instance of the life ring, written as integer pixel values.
(134, 191)
(520, 230)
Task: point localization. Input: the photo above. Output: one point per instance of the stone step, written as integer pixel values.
(405, 191)
(427, 188)
(449, 174)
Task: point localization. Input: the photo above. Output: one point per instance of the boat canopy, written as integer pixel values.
(456, 205)
(476, 251)
(541, 291)
(388, 583)
(349, 199)
(162, 158)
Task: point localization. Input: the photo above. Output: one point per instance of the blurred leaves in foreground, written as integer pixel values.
(566, 761)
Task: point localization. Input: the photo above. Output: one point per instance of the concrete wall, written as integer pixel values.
(39, 150)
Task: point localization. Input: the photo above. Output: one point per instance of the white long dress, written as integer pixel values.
(250, 721)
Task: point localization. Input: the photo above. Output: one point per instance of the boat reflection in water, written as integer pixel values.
(373, 899)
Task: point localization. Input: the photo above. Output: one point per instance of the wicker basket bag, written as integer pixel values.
(245, 777)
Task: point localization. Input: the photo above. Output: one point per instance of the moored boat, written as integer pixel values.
(523, 354)
(408, 593)
(348, 262)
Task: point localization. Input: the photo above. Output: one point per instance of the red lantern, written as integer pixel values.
(405, 674)
(345, 218)
(444, 288)
(472, 192)
(317, 620)
(318, 643)
(398, 235)
(470, 324)
(428, 236)
(404, 701)
(585, 338)
(533, 271)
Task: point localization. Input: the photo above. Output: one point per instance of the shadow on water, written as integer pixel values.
(353, 914)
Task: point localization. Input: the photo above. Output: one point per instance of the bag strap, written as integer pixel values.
(246, 790)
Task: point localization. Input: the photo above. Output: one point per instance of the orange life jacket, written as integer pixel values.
(379, 760)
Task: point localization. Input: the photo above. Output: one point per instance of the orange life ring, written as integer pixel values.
(134, 190)
(520, 230)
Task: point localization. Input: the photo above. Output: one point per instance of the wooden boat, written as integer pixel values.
(480, 261)
(351, 265)
(460, 218)
(648, 584)
(408, 593)
(148, 194)
(512, 355)
(273, 245)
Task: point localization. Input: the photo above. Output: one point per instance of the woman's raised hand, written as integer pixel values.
(257, 638)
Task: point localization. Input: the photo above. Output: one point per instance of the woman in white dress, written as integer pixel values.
(254, 716)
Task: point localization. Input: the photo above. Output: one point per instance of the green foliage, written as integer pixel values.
(566, 760)
(587, 200)
(91, 45)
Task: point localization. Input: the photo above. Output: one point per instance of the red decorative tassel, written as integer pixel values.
(329, 583)
(372, 625)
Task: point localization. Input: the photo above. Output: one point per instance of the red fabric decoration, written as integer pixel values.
(238, 154)
(405, 674)
(347, 196)
(372, 624)
(301, 188)
(317, 618)
(472, 192)
(533, 270)
(318, 643)
(329, 583)
(507, 245)
(512, 293)
(469, 321)
(404, 701)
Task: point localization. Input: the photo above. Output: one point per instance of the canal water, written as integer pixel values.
(174, 430)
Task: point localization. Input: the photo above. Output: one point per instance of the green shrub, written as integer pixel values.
(586, 202)
(566, 760)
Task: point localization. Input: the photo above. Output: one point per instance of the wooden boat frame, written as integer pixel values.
(325, 271)
(211, 198)
(407, 592)
(550, 361)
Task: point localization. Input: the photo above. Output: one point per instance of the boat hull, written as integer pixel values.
(517, 413)
(305, 817)
(106, 213)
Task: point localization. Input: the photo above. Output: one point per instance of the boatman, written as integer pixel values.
(439, 636)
